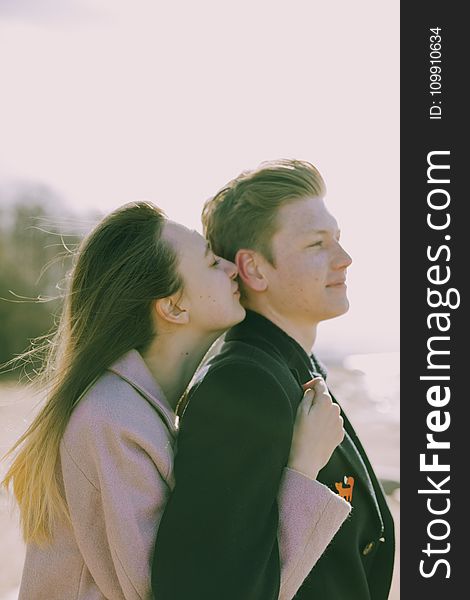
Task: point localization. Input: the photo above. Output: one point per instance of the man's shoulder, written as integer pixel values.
(239, 391)
(238, 370)
(242, 375)
(241, 359)
(240, 352)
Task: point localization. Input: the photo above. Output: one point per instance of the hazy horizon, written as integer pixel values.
(108, 102)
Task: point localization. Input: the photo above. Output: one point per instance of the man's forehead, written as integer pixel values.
(309, 216)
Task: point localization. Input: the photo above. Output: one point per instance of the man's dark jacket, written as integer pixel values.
(218, 536)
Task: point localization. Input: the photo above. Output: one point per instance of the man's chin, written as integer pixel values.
(337, 311)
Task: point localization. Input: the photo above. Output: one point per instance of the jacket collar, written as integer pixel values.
(132, 368)
(260, 331)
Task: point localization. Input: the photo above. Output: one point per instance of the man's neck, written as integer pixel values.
(303, 334)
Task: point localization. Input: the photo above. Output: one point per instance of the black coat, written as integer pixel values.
(217, 539)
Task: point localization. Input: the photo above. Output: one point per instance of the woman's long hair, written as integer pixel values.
(120, 269)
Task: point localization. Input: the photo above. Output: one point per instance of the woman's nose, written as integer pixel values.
(230, 268)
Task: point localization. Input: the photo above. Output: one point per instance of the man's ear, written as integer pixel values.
(168, 310)
(250, 270)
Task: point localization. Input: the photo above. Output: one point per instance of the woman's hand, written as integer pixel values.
(318, 429)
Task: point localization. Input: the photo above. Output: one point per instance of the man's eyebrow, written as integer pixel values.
(325, 231)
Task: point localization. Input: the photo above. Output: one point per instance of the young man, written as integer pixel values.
(218, 535)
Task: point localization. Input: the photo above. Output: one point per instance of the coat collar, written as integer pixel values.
(132, 368)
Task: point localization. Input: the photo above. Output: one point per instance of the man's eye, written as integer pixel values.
(320, 243)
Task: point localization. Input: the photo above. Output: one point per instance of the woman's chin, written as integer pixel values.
(241, 314)
(237, 317)
(221, 325)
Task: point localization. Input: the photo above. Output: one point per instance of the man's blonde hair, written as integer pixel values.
(243, 214)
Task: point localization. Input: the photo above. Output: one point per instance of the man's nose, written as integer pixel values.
(343, 260)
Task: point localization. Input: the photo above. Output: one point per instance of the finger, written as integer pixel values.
(310, 384)
(306, 401)
(319, 386)
(336, 407)
(323, 399)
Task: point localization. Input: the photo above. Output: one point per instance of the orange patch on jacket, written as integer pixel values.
(346, 490)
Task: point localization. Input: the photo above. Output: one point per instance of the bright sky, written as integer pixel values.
(109, 101)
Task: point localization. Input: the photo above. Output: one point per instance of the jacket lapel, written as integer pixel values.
(352, 457)
(357, 463)
(258, 330)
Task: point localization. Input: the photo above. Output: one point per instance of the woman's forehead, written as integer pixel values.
(184, 239)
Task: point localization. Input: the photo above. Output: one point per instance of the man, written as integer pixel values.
(218, 535)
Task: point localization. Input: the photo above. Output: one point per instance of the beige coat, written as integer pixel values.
(116, 464)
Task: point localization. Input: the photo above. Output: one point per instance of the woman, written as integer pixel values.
(92, 473)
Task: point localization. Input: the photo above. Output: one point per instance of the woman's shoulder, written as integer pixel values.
(113, 403)
(112, 421)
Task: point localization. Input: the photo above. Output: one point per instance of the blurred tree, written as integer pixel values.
(35, 255)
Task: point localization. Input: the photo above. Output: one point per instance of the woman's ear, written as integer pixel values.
(168, 310)
(250, 270)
